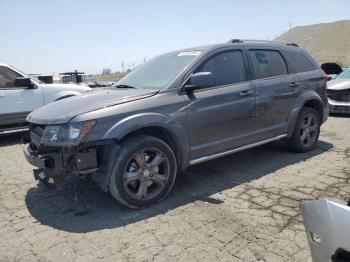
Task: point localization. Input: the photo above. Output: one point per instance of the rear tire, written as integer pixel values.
(142, 172)
(306, 131)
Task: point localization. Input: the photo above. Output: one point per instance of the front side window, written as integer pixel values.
(267, 63)
(7, 77)
(227, 68)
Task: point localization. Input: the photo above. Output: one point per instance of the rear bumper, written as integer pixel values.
(338, 107)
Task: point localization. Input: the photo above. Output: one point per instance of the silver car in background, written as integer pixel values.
(338, 93)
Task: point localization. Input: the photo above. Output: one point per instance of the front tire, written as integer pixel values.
(306, 131)
(143, 172)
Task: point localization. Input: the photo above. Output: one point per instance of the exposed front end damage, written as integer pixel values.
(339, 101)
(339, 97)
(56, 163)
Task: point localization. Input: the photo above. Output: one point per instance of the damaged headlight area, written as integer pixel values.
(66, 135)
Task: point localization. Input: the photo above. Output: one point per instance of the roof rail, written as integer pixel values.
(231, 41)
(293, 44)
(236, 40)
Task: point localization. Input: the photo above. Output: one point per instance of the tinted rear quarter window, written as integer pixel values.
(267, 63)
(301, 62)
(226, 67)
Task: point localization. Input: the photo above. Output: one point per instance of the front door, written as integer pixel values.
(221, 117)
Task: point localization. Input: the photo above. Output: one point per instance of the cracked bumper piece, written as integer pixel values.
(49, 165)
(327, 225)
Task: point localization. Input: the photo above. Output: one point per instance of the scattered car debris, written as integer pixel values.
(327, 226)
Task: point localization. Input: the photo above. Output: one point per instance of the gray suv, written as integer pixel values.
(180, 109)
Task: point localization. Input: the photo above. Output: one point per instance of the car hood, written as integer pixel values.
(63, 111)
(338, 84)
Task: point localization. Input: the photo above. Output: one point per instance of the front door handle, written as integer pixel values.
(2, 95)
(246, 93)
(294, 84)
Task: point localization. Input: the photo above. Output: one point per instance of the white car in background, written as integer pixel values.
(19, 95)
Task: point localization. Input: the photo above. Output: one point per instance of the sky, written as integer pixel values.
(41, 36)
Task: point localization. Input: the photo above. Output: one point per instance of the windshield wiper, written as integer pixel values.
(124, 86)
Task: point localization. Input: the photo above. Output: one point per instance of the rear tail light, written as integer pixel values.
(325, 79)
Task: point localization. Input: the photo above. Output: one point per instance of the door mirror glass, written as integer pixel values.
(200, 80)
(23, 82)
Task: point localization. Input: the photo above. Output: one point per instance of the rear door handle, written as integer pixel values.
(2, 95)
(294, 84)
(246, 93)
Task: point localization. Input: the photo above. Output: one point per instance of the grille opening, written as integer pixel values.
(339, 95)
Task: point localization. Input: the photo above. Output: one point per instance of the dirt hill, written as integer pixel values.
(326, 42)
(110, 77)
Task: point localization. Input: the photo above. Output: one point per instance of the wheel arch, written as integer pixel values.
(64, 97)
(65, 94)
(308, 99)
(317, 105)
(158, 125)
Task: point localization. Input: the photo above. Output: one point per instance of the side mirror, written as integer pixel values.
(23, 82)
(200, 80)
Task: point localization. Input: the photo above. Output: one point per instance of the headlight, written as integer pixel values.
(70, 134)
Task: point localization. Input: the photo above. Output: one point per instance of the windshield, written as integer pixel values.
(158, 72)
(344, 75)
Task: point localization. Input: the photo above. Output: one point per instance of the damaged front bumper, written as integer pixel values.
(48, 165)
(55, 164)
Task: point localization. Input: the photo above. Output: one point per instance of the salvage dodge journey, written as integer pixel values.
(176, 110)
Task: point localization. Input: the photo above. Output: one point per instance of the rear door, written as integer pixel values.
(276, 91)
(221, 117)
(16, 103)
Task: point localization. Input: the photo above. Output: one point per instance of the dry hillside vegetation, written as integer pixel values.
(326, 42)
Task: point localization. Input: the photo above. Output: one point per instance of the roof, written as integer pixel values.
(241, 42)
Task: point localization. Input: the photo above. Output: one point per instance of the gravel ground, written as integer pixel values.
(243, 207)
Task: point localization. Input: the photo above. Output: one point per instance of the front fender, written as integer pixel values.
(143, 120)
(298, 105)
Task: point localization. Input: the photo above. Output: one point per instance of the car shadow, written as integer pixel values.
(11, 138)
(80, 206)
(339, 115)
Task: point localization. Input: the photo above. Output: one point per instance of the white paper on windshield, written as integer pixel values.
(189, 53)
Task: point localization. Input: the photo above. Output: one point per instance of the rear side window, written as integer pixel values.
(267, 63)
(300, 62)
(227, 68)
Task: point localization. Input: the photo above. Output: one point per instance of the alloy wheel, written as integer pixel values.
(146, 174)
(308, 130)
